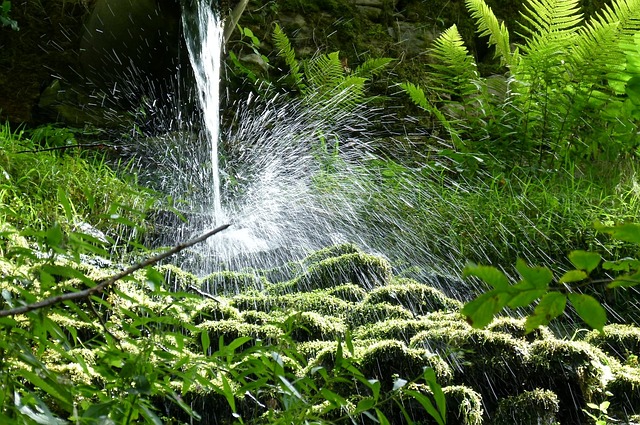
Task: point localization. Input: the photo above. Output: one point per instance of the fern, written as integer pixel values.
(488, 25)
(372, 67)
(419, 97)
(286, 52)
(455, 69)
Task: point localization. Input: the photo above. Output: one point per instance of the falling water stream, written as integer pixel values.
(204, 41)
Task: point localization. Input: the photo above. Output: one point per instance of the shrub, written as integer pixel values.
(231, 283)
(362, 314)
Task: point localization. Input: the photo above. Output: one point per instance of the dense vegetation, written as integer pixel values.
(535, 167)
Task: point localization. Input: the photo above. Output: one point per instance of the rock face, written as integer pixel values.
(88, 61)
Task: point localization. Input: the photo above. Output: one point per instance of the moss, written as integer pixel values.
(414, 296)
(516, 328)
(256, 317)
(536, 407)
(387, 359)
(230, 330)
(617, 340)
(231, 283)
(348, 292)
(209, 309)
(362, 314)
(283, 273)
(330, 252)
(358, 268)
(574, 370)
(464, 405)
(492, 363)
(177, 279)
(309, 326)
(398, 329)
(625, 390)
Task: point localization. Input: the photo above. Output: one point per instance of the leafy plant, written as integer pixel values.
(324, 79)
(556, 99)
(537, 283)
(5, 19)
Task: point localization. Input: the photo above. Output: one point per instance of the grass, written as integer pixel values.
(65, 186)
(540, 215)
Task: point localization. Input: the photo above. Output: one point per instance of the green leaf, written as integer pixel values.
(589, 310)
(622, 265)
(488, 274)
(523, 294)
(628, 232)
(205, 340)
(584, 260)
(427, 405)
(626, 281)
(364, 405)
(480, 311)
(573, 276)
(549, 307)
(538, 277)
(54, 235)
(632, 89)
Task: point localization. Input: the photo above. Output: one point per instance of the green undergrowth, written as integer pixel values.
(164, 346)
(45, 178)
(499, 217)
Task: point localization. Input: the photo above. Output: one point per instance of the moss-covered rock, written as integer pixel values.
(367, 271)
(620, 341)
(310, 326)
(536, 407)
(398, 329)
(388, 359)
(231, 283)
(516, 328)
(575, 371)
(349, 292)
(318, 302)
(464, 405)
(209, 309)
(414, 296)
(362, 314)
(492, 363)
(625, 390)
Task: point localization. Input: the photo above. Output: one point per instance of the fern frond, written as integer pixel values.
(455, 69)
(285, 51)
(551, 26)
(488, 24)
(324, 72)
(419, 97)
(372, 67)
(608, 33)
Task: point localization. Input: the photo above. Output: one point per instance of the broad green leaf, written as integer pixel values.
(573, 276)
(632, 89)
(481, 310)
(585, 260)
(205, 340)
(549, 307)
(54, 236)
(628, 232)
(622, 265)
(382, 418)
(364, 405)
(523, 294)
(539, 277)
(625, 281)
(589, 310)
(488, 274)
(438, 395)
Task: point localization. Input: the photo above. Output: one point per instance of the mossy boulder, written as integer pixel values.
(364, 270)
(388, 359)
(492, 363)
(362, 314)
(536, 407)
(575, 371)
(231, 283)
(310, 326)
(414, 296)
(620, 341)
(624, 388)
(517, 329)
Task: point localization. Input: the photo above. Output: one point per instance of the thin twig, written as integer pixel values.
(69, 296)
(63, 148)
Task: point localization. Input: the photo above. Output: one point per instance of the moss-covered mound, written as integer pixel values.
(340, 338)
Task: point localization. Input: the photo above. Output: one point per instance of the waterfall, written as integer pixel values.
(204, 35)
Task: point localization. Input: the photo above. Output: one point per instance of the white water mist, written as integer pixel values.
(204, 34)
